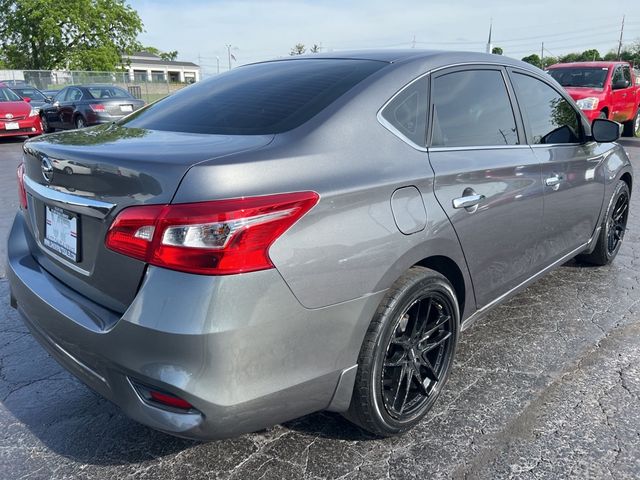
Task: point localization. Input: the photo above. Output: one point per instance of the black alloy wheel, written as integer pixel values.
(415, 359)
(617, 222)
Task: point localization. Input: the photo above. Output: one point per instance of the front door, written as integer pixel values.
(573, 183)
(623, 102)
(486, 179)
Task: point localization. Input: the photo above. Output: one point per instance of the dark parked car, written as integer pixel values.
(35, 97)
(79, 106)
(307, 234)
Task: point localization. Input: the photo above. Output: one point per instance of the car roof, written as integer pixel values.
(598, 64)
(431, 59)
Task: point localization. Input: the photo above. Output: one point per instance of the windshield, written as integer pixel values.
(258, 99)
(8, 95)
(31, 93)
(108, 92)
(592, 77)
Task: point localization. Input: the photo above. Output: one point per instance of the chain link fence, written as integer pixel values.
(140, 86)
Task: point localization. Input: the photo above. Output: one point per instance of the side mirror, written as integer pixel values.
(48, 99)
(605, 131)
(56, 104)
(26, 99)
(620, 84)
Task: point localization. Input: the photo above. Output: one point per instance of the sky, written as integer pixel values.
(258, 30)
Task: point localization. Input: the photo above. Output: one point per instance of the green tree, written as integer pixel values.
(83, 34)
(497, 51)
(548, 61)
(533, 59)
(591, 55)
(299, 49)
(315, 49)
(570, 57)
(169, 56)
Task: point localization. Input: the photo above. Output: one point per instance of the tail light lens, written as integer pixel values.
(97, 107)
(22, 193)
(221, 237)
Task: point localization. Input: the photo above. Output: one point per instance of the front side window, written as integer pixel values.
(74, 95)
(626, 72)
(551, 118)
(472, 108)
(31, 93)
(407, 112)
(617, 76)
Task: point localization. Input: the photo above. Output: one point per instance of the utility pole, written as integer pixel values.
(620, 41)
(489, 49)
(229, 54)
(542, 56)
(413, 43)
(218, 63)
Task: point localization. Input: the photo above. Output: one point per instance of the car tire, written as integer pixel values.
(80, 122)
(68, 171)
(46, 128)
(632, 127)
(406, 354)
(612, 228)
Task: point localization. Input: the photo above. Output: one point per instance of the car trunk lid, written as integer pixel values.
(78, 181)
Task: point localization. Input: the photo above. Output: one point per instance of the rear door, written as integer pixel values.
(573, 184)
(487, 179)
(68, 107)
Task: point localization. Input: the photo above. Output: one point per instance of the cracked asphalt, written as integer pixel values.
(546, 386)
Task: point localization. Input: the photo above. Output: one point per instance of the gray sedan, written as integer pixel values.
(80, 106)
(307, 234)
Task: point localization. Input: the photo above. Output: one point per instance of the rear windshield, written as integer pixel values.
(8, 95)
(256, 99)
(108, 92)
(592, 77)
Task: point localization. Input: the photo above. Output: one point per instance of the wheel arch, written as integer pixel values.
(628, 179)
(450, 270)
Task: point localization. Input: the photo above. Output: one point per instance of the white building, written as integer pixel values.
(147, 67)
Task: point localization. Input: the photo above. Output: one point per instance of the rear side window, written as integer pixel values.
(472, 108)
(407, 112)
(551, 118)
(259, 99)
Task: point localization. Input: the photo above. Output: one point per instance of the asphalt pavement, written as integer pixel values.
(546, 386)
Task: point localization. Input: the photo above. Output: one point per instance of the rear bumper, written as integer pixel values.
(240, 349)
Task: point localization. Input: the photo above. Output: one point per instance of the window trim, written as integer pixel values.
(564, 95)
(389, 126)
(510, 96)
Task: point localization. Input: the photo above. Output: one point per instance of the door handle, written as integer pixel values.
(467, 201)
(553, 181)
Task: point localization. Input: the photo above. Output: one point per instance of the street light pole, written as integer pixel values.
(218, 63)
(229, 54)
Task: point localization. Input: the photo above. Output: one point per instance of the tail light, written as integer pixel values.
(97, 107)
(221, 237)
(22, 193)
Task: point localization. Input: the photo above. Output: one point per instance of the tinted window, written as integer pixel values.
(256, 99)
(472, 108)
(73, 95)
(617, 75)
(626, 71)
(593, 77)
(407, 112)
(7, 95)
(108, 92)
(550, 117)
(31, 93)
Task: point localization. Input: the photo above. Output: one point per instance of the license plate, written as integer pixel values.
(12, 125)
(126, 108)
(61, 232)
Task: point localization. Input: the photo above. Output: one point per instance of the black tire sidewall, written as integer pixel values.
(430, 283)
(620, 188)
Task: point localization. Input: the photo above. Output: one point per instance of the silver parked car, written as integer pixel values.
(306, 234)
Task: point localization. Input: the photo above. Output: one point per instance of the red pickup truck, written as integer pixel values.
(603, 90)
